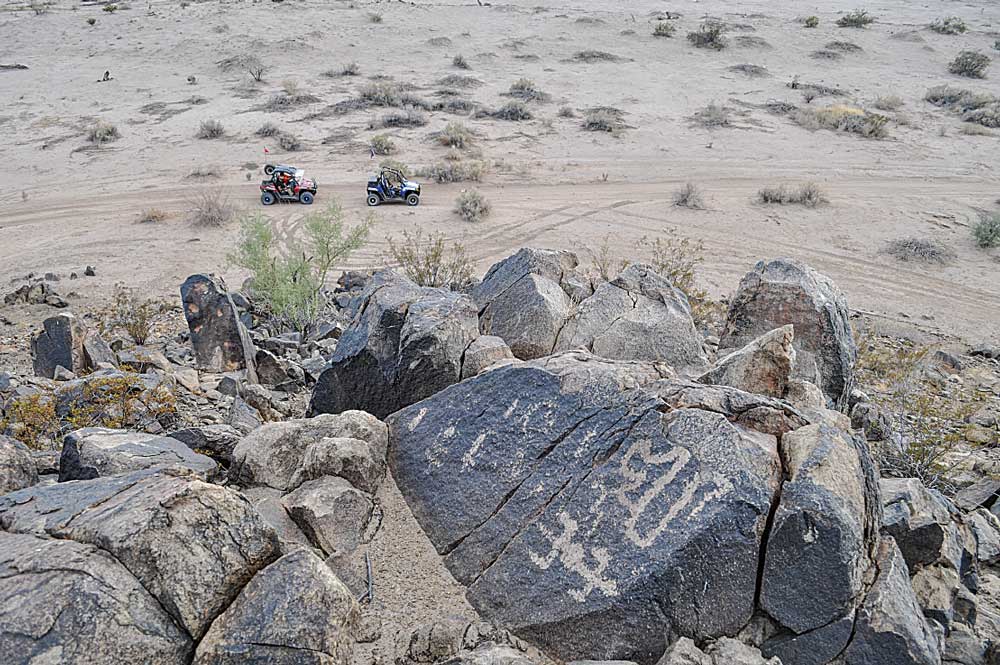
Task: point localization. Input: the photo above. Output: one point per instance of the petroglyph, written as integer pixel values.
(574, 557)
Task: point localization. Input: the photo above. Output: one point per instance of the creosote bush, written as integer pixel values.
(382, 144)
(403, 118)
(810, 195)
(472, 206)
(709, 35)
(122, 402)
(689, 196)
(429, 261)
(32, 420)
(454, 171)
(102, 132)
(971, 64)
(952, 25)
(210, 129)
(986, 232)
(603, 120)
(859, 18)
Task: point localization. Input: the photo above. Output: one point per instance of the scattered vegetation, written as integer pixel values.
(204, 171)
(460, 62)
(811, 22)
(459, 81)
(374, 17)
(859, 18)
(595, 56)
(289, 284)
(472, 206)
(986, 232)
(952, 25)
(919, 249)
(132, 314)
(211, 208)
(454, 171)
(604, 120)
(102, 132)
(689, 196)
(712, 116)
(152, 216)
(972, 64)
(382, 144)
(976, 107)
(567, 112)
(709, 35)
(429, 261)
(526, 90)
(844, 119)
(210, 129)
(404, 118)
(514, 110)
(750, 71)
(455, 135)
(664, 29)
(888, 103)
(810, 195)
(267, 130)
(843, 47)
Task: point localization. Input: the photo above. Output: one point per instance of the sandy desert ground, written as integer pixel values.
(66, 204)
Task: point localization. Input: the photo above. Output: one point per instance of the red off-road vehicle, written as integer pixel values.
(286, 184)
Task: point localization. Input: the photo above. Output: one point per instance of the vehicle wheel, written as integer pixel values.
(268, 169)
(412, 200)
(267, 198)
(373, 200)
(306, 198)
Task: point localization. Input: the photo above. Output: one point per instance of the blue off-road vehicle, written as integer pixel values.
(392, 185)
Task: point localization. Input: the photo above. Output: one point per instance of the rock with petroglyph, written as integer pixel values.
(93, 452)
(405, 344)
(59, 344)
(221, 342)
(782, 292)
(638, 315)
(582, 512)
(764, 366)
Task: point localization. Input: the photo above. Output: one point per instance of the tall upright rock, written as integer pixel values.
(221, 343)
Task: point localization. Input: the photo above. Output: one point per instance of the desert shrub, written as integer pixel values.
(132, 314)
(204, 171)
(689, 196)
(664, 29)
(567, 112)
(404, 118)
(110, 8)
(677, 258)
(289, 142)
(859, 18)
(810, 195)
(397, 165)
(958, 99)
(210, 129)
(525, 89)
(972, 129)
(709, 35)
(254, 67)
(152, 216)
(589, 56)
(888, 103)
(32, 420)
(122, 401)
(844, 119)
(460, 62)
(986, 232)
(811, 22)
(972, 64)
(429, 261)
(472, 206)
(288, 282)
(824, 54)
(382, 144)
(454, 171)
(267, 129)
(952, 25)
(987, 116)
(211, 207)
(455, 135)
(712, 116)
(918, 249)
(607, 263)
(603, 120)
(459, 81)
(383, 93)
(514, 110)
(843, 47)
(374, 17)
(751, 71)
(102, 132)
(39, 7)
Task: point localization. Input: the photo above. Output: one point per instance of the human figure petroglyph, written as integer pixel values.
(574, 557)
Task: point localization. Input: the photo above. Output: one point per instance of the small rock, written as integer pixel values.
(90, 271)
(983, 493)
(62, 374)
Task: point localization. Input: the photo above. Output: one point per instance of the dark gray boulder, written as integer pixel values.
(582, 512)
(217, 441)
(17, 467)
(554, 265)
(405, 344)
(93, 452)
(220, 342)
(783, 291)
(528, 316)
(74, 604)
(925, 526)
(483, 352)
(294, 612)
(60, 344)
(458, 640)
(814, 647)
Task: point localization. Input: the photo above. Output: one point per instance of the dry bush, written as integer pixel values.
(122, 402)
(383, 93)
(396, 165)
(677, 258)
(987, 116)
(844, 119)
(709, 35)
(843, 47)
(514, 110)
(972, 64)
(210, 129)
(986, 232)
(255, 68)
(429, 262)
(750, 41)
(603, 120)
(39, 7)
(919, 249)
(211, 208)
(289, 142)
(689, 196)
(823, 54)
(204, 171)
(811, 22)
(595, 56)
(750, 71)
(374, 17)
(459, 81)
(290, 97)
(810, 195)
(152, 216)
(664, 29)
(350, 69)
(405, 118)
(607, 264)
(978, 107)
(888, 103)
(455, 135)
(460, 62)
(454, 171)
(859, 18)
(382, 144)
(268, 129)
(525, 89)
(132, 314)
(102, 132)
(972, 129)
(712, 116)
(567, 112)
(951, 25)
(472, 206)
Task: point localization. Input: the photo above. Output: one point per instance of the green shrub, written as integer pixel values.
(987, 231)
(708, 35)
(428, 262)
(951, 25)
(472, 206)
(972, 64)
(859, 18)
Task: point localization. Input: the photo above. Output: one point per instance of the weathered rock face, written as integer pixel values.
(294, 612)
(216, 441)
(921, 522)
(220, 341)
(60, 344)
(484, 351)
(96, 451)
(890, 628)
(725, 651)
(72, 603)
(579, 514)
(17, 468)
(555, 266)
(638, 315)
(455, 640)
(782, 292)
(405, 344)
(764, 366)
(528, 316)
(192, 545)
(825, 530)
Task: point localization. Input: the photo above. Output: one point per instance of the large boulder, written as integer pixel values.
(781, 292)
(485, 351)
(528, 317)
(294, 612)
(764, 366)
(638, 315)
(583, 512)
(192, 545)
(405, 344)
(220, 341)
(554, 265)
(74, 604)
(93, 452)
(17, 467)
(824, 532)
(60, 344)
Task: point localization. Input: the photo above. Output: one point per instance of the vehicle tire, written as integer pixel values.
(412, 200)
(373, 200)
(268, 169)
(306, 198)
(267, 198)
